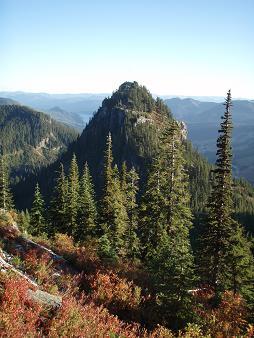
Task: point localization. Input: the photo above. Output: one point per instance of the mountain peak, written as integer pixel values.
(131, 96)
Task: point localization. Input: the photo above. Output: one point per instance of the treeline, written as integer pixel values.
(154, 232)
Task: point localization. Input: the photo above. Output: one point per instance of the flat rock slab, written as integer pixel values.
(45, 298)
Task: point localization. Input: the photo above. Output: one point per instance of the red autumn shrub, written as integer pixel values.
(225, 320)
(74, 319)
(19, 316)
(40, 266)
(116, 292)
(64, 245)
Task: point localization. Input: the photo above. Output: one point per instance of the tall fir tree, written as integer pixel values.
(129, 188)
(37, 214)
(169, 255)
(59, 204)
(151, 214)
(73, 197)
(225, 259)
(87, 210)
(6, 202)
(113, 212)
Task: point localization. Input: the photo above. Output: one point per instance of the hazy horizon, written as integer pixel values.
(214, 98)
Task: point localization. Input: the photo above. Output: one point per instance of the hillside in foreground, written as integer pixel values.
(138, 236)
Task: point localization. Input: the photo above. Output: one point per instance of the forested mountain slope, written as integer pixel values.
(31, 139)
(135, 121)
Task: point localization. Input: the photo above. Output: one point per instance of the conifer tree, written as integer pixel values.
(152, 215)
(167, 202)
(5, 194)
(113, 211)
(225, 259)
(129, 187)
(73, 197)
(24, 220)
(59, 204)
(37, 214)
(87, 212)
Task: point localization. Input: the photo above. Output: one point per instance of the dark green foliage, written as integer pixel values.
(166, 221)
(31, 139)
(6, 202)
(87, 208)
(152, 217)
(59, 204)
(129, 187)
(113, 214)
(225, 258)
(73, 197)
(131, 95)
(24, 221)
(37, 214)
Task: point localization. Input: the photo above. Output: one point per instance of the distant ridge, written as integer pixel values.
(7, 101)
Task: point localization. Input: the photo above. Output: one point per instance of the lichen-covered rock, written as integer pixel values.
(45, 298)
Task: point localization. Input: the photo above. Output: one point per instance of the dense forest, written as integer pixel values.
(30, 139)
(150, 239)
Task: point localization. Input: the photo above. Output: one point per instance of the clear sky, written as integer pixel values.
(174, 47)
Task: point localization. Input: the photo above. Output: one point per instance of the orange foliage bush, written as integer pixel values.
(76, 320)
(19, 316)
(225, 320)
(40, 266)
(109, 289)
(64, 245)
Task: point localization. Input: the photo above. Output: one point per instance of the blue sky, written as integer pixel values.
(184, 47)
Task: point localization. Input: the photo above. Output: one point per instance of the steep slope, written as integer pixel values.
(31, 139)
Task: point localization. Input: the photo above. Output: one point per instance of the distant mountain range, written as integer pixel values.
(78, 107)
(202, 119)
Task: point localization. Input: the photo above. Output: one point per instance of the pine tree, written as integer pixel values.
(167, 203)
(37, 214)
(59, 204)
(129, 188)
(88, 211)
(113, 212)
(73, 197)
(225, 259)
(24, 221)
(152, 215)
(6, 202)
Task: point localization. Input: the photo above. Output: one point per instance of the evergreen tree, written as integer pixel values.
(59, 204)
(37, 214)
(73, 197)
(87, 212)
(169, 256)
(225, 259)
(5, 194)
(129, 187)
(113, 211)
(152, 215)
(24, 220)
